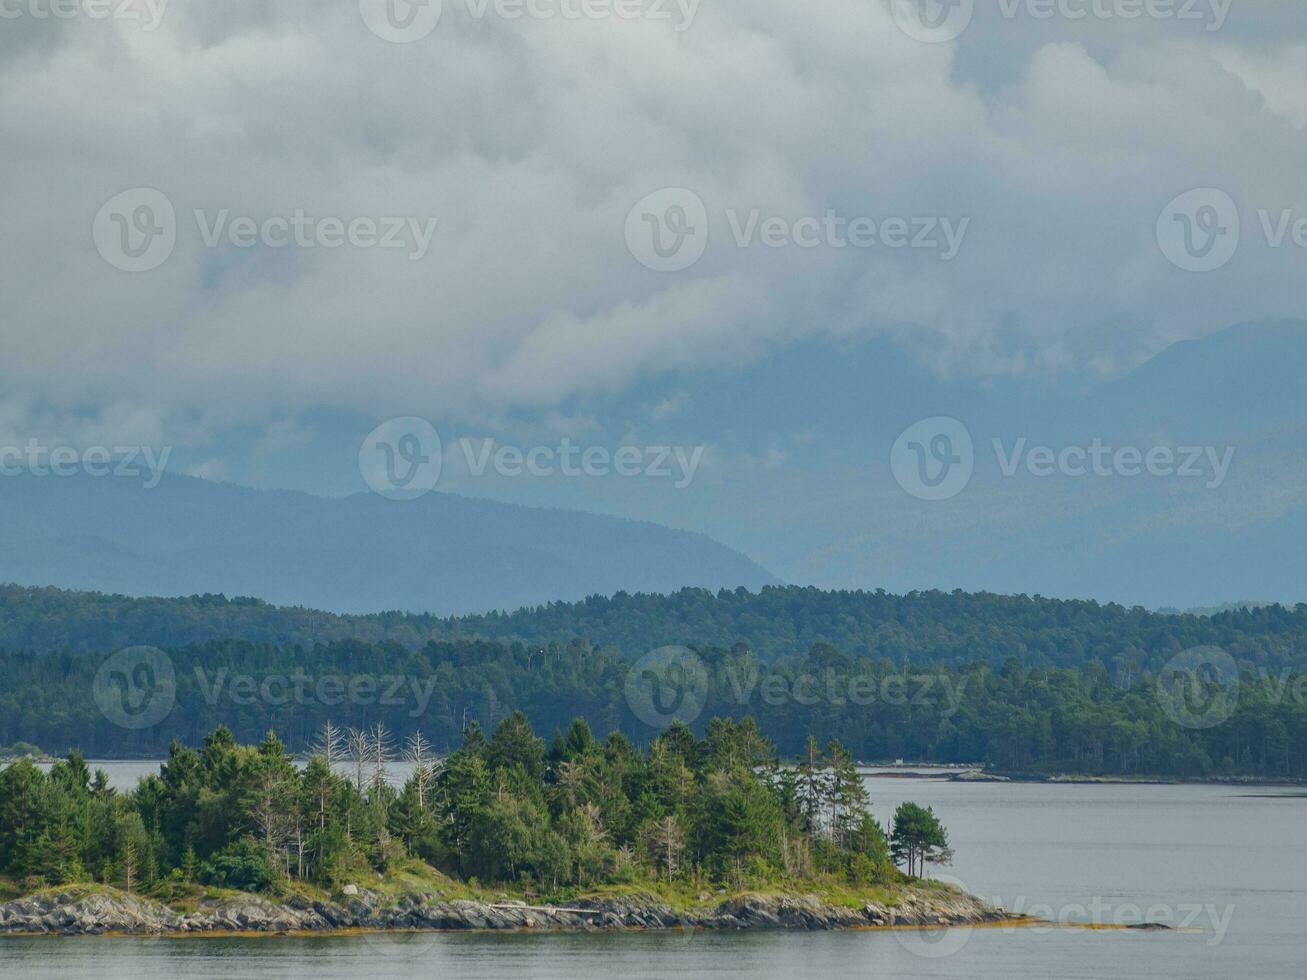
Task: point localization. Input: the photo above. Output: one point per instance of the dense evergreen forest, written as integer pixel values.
(1014, 717)
(920, 628)
(504, 809)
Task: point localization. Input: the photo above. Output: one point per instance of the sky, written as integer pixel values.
(252, 231)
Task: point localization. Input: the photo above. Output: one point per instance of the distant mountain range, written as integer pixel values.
(818, 502)
(796, 477)
(441, 554)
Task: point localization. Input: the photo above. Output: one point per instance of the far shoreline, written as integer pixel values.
(925, 771)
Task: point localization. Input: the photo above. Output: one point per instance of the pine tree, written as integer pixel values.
(918, 838)
(190, 866)
(813, 781)
(849, 798)
(127, 864)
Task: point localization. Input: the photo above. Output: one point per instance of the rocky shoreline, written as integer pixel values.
(105, 912)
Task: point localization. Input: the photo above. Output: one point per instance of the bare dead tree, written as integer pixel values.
(381, 750)
(417, 750)
(297, 836)
(129, 866)
(593, 824)
(667, 842)
(270, 812)
(359, 749)
(329, 744)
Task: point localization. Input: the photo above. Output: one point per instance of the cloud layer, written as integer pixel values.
(529, 141)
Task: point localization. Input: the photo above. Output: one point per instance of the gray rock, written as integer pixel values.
(98, 911)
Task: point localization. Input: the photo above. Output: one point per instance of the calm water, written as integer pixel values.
(1230, 862)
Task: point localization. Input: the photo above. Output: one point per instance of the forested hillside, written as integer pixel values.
(1011, 717)
(918, 628)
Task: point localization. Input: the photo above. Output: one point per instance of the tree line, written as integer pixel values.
(501, 809)
(1012, 717)
(922, 628)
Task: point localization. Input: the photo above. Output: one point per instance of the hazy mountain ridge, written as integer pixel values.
(1154, 541)
(442, 554)
(798, 472)
(796, 476)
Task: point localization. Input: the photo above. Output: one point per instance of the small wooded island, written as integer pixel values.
(502, 833)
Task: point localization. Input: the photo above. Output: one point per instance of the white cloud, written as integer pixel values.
(210, 469)
(530, 141)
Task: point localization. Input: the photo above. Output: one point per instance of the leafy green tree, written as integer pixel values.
(918, 838)
(246, 817)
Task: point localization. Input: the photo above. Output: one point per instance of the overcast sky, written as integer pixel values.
(1051, 148)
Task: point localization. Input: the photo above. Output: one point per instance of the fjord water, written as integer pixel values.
(1232, 861)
